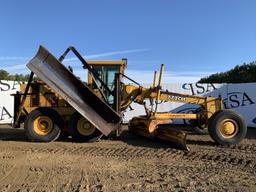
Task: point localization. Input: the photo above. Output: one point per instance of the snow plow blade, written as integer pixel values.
(74, 91)
(158, 129)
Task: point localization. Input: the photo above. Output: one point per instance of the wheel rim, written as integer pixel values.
(43, 125)
(228, 128)
(84, 127)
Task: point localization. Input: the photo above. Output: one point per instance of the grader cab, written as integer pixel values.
(60, 103)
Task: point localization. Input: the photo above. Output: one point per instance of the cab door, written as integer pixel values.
(107, 74)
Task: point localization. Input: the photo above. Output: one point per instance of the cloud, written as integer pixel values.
(107, 54)
(146, 77)
(13, 58)
(142, 76)
(20, 69)
(15, 67)
(23, 66)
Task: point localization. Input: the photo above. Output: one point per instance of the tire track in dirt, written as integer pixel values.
(15, 178)
(77, 181)
(241, 156)
(244, 148)
(47, 179)
(10, 173)
(57, 148)
(76, 176)
(42, 181)
(226, 158)
(7, 177)
(19, 175)
(225, 155)
(34, 179)
(19, 179)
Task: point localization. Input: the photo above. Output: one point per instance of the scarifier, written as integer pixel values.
(60, 104)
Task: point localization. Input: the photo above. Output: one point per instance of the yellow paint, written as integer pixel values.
(43, 125)
(228, 128)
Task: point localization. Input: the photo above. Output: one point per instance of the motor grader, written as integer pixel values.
(60, 104)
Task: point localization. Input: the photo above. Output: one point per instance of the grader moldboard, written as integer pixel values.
(60, 104)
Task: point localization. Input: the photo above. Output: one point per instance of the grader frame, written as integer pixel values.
(90, 101)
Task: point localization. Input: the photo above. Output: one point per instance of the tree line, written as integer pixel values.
(244, 73)
(4, 75)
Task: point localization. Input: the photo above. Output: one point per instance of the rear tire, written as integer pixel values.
(43, 125)
(227, 127)
(82, 130)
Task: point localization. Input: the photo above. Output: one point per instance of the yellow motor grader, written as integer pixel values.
(62, 104)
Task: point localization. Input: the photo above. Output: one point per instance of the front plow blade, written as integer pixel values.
(171, 134)
(158, 129)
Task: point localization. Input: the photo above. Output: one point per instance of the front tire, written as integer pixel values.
(82, 130)
(43, 125)
(227, 127)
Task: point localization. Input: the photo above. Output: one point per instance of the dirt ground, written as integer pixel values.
(129, 164)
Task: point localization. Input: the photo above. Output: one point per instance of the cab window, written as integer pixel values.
(107, 74)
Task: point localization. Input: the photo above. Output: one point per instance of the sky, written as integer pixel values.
(193, 38)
